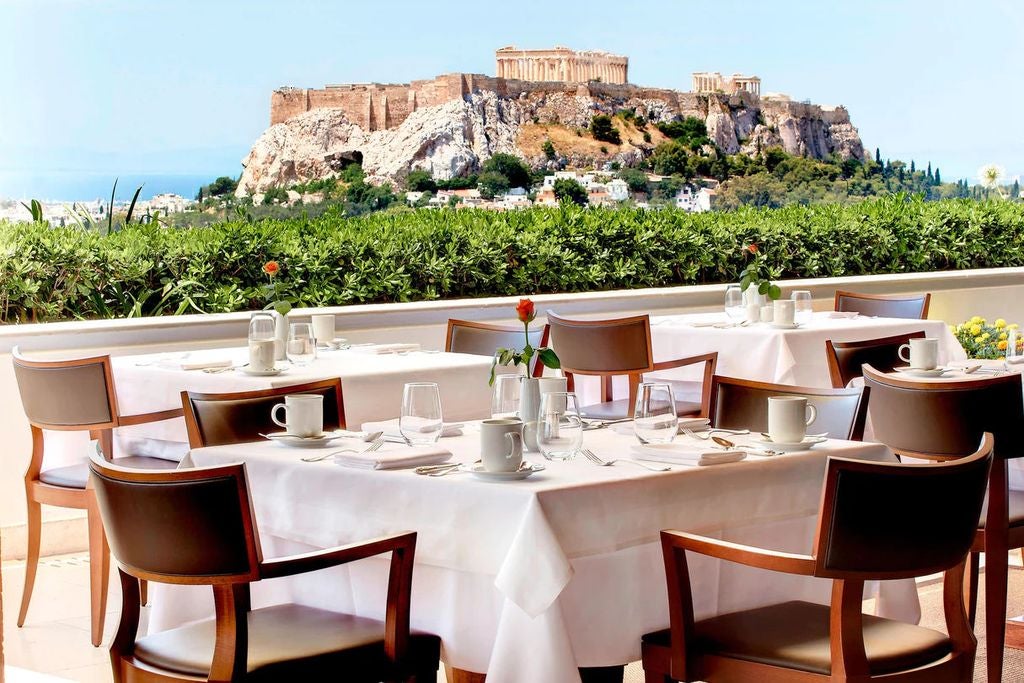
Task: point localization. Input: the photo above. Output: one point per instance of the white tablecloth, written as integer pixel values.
(528, 580)
(766, 354)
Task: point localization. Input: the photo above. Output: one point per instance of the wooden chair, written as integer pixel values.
(73, 395)
(239, 417)
(606, 348)
(483, 339)
(938, 421)
(196, 527)
(913, 306)
(742, 404)
(846, 358)
(856, 541)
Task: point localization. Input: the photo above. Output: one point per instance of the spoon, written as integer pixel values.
(971, 369)
(724, 443)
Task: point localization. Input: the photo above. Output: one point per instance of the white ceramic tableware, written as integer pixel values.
(767, 313)
(789, 417)
(261, 354)
(784, 312)
(501, 445)
(802, 445)
(323, 329)
(522, 473)
(303, 414)
(922, 353)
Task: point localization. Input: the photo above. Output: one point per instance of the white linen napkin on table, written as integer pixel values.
(682, 455)
(390, 428)
(843, 314)
(697, 424)
(204, 364)
(395, 458)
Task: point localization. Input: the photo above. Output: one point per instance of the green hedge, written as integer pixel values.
(58, 273)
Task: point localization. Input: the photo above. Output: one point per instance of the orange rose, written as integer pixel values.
(752, 248)
(526, 311)
(271, 268)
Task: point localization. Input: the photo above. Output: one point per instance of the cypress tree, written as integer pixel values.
(878, 157)
(913, 168)
(937, 178)
(1015, 190)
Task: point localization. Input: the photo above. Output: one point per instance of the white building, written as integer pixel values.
(694, 202)
(618, 190)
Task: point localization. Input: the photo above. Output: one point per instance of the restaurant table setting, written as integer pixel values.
(552, 551)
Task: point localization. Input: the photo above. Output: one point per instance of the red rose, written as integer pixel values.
(752, 248)
(271, 268)
(526, 311)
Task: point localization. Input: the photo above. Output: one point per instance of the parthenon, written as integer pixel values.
(561, 64)
(706, 81)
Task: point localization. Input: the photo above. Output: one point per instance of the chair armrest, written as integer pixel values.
(143, 418)
(332, 557)
(787, 563)
(680, 362)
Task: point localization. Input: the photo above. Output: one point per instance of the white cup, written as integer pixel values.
(323, 328)
(767, 313)
(303, 414)
(788, 418)
(922, 353)
(262, 353)
(501, 444)
(784, 312)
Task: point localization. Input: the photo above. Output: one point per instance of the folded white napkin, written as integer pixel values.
(205, 364)
(394, 458)
(679, 454)
(377, 349)
(704, 323)
(390, 428)
(843, 314)
(695, 423)
(1015, 360)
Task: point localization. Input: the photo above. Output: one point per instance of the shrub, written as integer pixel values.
(420, 181)
(637, 180)
(549, 149)
(510, 166)
(492, 183)
(568, 190)
(602, 129)
(689, 131)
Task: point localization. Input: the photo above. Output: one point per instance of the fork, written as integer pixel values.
(592, 457)
(711, 432)
(374, 445)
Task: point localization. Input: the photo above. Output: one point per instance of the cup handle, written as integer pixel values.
(812, 413)
(273, 415)
(899, 353)
(516, 443)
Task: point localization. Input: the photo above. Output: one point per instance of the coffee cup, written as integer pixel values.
(788, 418)
(323, 329)
(262, 354)
(501, 444)
(303, 414)
(784, 312)
(922, 353)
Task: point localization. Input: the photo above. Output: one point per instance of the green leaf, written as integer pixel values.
(774, 292)
(744, 283)
(282, 307)
(763, 287)
(549, 358)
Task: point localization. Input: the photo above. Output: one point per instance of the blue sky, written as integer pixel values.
(184, 86)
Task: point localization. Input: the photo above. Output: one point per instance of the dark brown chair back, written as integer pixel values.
(483, 339)
(602, 347)
(67, 394)
(179, 526)
(741, 404)
(944, 420)
(218, 419)
(846, 358)
(873, 523)
(885, 306)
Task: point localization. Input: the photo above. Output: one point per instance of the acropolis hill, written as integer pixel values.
(450, 124)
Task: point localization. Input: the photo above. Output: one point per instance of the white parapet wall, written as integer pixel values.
(955, 296)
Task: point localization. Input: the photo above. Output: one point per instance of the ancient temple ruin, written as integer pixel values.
(561, 64)
(706, 81)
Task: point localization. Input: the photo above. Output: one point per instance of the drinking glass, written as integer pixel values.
(734, 307)
(301, 349)
(262, 326)
(505, 396)
(1014, 352)
(803, 307)
(421, 422)
(559, 427)
(655, 419)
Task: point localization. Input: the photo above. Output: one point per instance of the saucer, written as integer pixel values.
(260, 373)
(918, 372)
(786, 447)
(305, 441)
(480, 473)
(784, 326)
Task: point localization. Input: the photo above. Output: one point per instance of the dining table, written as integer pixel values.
(528, 580)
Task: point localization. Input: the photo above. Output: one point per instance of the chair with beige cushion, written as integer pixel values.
(743, 404)
(73, 395)
(241, 416)
(622, 346)
(939, 421)
(914, 306)
(483, 339)
(196, 527)
(856, 541)
(845, 359)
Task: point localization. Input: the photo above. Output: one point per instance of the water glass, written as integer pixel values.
(559, 427)
(301, 348)
(655, 419)
(505, 396)
(421, 422)
(734, 307)
(1014, 352)
(803, 308)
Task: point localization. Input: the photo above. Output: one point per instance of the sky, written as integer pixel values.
(137, 86)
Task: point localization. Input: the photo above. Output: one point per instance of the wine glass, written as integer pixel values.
(559, 427)
(505, 396)
(802, 308)
(421, 422)
(301, 348)
(655, 419)
(734, 307)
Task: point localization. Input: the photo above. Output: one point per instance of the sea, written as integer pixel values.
(73, 186)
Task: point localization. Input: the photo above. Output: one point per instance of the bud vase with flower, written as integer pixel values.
(278, 308)
(756, 298)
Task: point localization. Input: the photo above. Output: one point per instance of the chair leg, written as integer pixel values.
(995, 610)
(35, 525)
(143, 592)
(99, 574)
(971, 587)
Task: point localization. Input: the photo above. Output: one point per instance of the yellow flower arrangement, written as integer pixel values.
(981, 339)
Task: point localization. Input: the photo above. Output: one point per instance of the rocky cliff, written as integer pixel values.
(456, 136)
